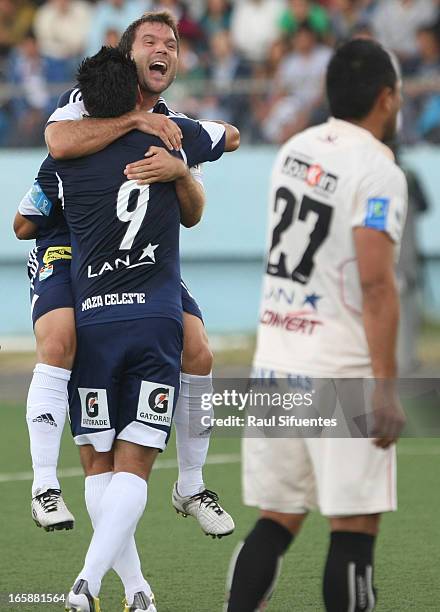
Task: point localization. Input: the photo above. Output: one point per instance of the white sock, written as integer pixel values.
(127, 564)
(46, 413)
(192, 436)
(122, 505)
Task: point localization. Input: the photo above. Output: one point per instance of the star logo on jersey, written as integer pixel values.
(149, 252)
(312, 299)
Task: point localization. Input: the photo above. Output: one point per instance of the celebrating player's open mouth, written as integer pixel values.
(157, 71)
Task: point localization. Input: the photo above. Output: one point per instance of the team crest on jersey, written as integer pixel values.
(57, 252)
(155, 405)
(45, 272)
(94, 408)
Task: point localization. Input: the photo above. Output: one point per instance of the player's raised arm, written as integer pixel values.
(232, 136)
(76, 138)
(68, 136)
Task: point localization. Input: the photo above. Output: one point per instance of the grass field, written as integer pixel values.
(186, 569)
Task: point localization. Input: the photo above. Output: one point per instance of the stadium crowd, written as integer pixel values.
(258, 64)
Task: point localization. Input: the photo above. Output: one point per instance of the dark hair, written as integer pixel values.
(358, 72)
(108, 83)
(127, 38)
(306, 26)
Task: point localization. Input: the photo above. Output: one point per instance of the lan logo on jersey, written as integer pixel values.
(155, 405)
(377, 212)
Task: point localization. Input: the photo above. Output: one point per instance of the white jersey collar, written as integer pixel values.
(341, 126)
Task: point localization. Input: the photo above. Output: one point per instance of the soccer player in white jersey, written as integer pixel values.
(330, 310)
(155, 52)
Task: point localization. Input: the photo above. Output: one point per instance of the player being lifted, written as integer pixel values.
(128, 309)
(337, 210)
(153, 43)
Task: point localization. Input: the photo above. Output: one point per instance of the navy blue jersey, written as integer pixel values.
(125, 237)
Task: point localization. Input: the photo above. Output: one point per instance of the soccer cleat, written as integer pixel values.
(141, 602)
(204, 507)
(81, 600)
(49, 510)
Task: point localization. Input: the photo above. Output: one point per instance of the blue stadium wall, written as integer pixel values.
(223, 256)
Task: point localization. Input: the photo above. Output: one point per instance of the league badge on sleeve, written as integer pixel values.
(40, 200)
(377, 212)
(45, 272)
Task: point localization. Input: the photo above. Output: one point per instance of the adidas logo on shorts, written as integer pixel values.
(45, 418)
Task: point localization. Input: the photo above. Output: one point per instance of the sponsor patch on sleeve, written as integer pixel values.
(377, 212)
(40, 200)
(57, 252)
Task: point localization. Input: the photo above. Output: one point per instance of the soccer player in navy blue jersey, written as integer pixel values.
(126, 208)
(126, 285)
(153, 42)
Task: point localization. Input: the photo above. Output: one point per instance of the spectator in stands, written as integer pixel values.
(422, 99)
(32, 103)
(227, 69)
(216, 18)
(62, 27)
(189, 86)
(254, 27)
(15, 22)
(298, 87)
(396, 22)
(113, 15)
(188, 27)
(346, 18)
(299, 11)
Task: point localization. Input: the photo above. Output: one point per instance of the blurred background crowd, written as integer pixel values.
(256, 63)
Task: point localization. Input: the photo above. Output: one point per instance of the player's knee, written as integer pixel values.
(197, 358)
(58, 351)
(368, 523)
(95, 463)
(291, 522)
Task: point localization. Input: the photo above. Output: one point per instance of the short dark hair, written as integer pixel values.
(357, 73)
(108, 83)
(127, 38)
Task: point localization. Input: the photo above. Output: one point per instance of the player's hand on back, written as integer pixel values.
(389, 417)
(157, 167)
(161, 126)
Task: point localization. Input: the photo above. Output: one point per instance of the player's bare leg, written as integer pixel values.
(115, 488)
(190, 496)
(46, 413)
(256, 563)
(348, 576)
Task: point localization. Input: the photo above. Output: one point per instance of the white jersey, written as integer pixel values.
(325, 181)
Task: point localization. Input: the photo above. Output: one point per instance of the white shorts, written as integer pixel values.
(342, 477)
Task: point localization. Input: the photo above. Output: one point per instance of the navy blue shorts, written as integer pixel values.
(125, 382)
(189, 303)
(49, 275)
